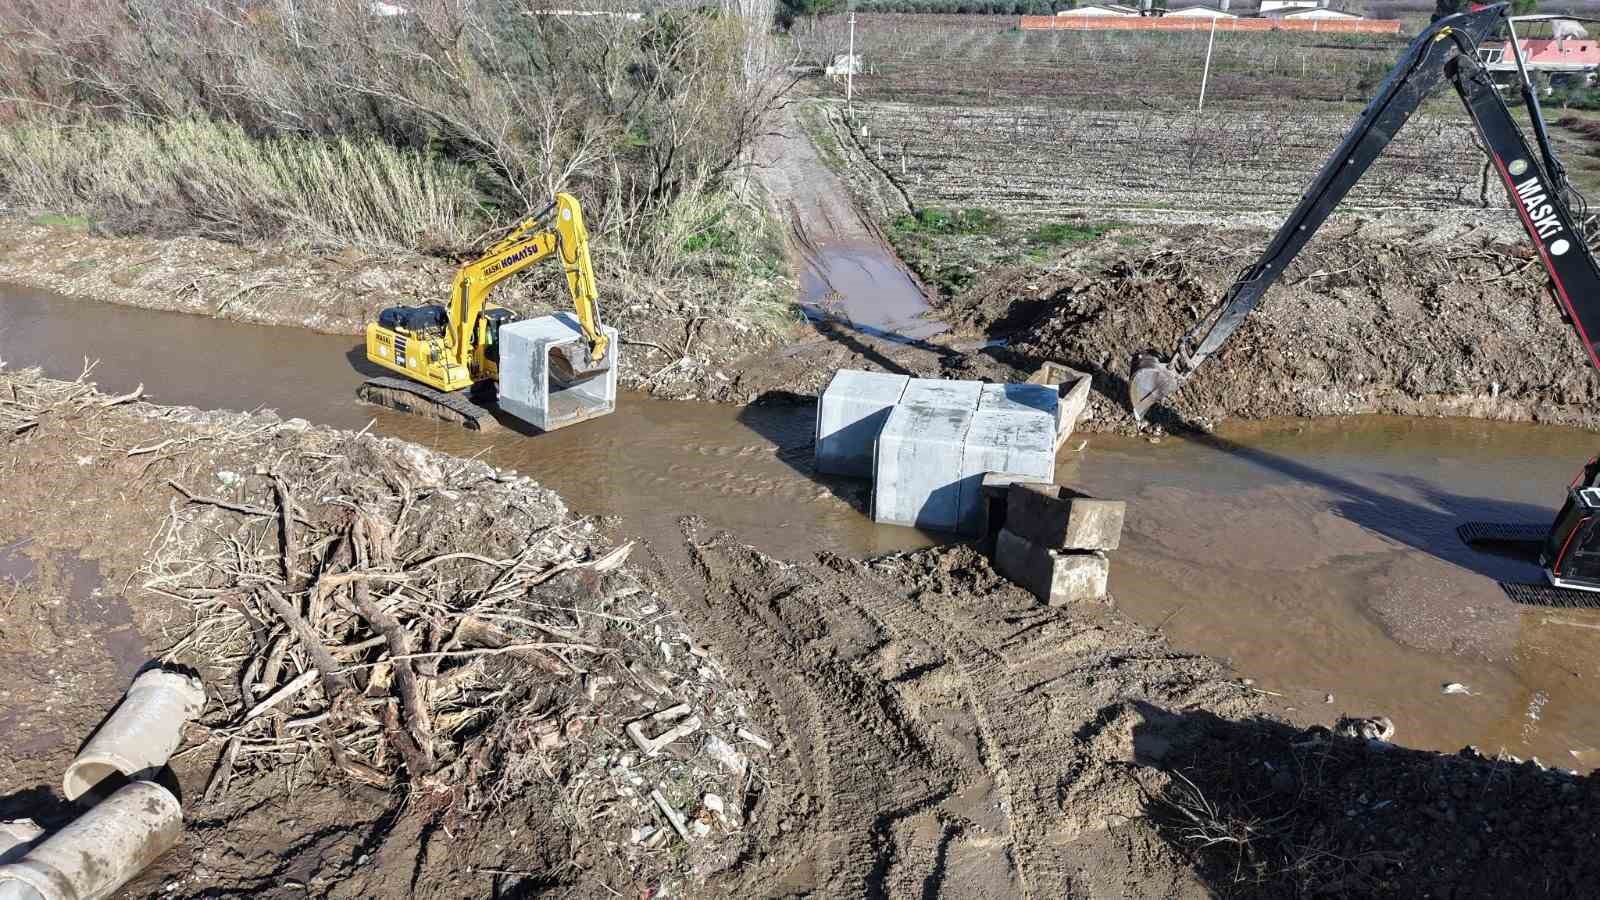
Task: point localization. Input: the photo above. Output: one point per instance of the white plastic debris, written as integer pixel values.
(1454, 687)
(725, 755)
(674, 818)
(101, 849)
(754, 738)
(713, 803)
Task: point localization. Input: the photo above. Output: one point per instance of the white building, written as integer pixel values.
(1101, 9)
(1315, 13)
(1201, 11)
(1270, 6)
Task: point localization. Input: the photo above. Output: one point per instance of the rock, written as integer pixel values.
(1376, 728)
(1056, 577)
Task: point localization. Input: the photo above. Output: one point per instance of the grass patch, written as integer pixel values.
(57, 220)
(1056, 234)
(936, 221)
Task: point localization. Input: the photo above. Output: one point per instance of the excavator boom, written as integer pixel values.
(1536, 185)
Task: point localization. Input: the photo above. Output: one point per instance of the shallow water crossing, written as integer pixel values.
(1319, 557)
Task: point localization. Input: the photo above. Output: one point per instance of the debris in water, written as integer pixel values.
(1376, 728)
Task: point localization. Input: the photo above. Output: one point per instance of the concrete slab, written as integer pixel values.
(1063, 519)
(1041, 398)
(942, 393)
(851, 411)
(917, 466)
(1054, 576)
(531, 391)
(1020, 443)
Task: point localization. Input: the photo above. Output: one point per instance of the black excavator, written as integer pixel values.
(1569, 549)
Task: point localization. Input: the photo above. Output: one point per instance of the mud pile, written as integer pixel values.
(422, 668)
(1358, 324)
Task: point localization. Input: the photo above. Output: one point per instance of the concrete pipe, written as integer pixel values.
(142, 734)
(15, 837)
(101, 850)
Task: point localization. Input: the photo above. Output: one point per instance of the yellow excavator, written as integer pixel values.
(450, 355)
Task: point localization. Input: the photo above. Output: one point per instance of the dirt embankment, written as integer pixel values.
(1361, 323)
(680, 340)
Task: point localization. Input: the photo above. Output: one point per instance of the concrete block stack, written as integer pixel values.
(1055, 540)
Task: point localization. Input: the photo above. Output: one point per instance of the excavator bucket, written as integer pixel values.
(570, 363)
(1149, 382)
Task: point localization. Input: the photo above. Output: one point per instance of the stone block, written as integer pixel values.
(996, 487)
(942, 393)
(1019, 442)
(1054, 576)
(851, 412)
(916, 470)
(1060, 518)
(530, 387)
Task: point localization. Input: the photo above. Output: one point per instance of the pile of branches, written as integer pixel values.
(337, 593)
(28, 399)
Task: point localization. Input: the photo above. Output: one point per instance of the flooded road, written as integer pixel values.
(862, 283)
(1318, 557)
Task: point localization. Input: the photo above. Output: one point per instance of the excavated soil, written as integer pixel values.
(1365, 321)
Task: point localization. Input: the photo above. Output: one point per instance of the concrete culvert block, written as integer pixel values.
(531, 387)
(1062, 519)
(100, 850)
(851, 412)
(1021, 443)
(1054, 576)
(141, 735)
(940, 393)
(917, 467)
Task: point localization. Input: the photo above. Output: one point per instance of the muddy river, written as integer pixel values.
(1319, 557)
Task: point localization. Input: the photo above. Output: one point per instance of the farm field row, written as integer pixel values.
(1041, 163)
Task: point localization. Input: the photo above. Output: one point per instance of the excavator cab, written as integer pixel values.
(1571, 551)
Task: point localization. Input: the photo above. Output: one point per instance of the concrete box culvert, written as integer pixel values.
(141, 735)
(100, 850)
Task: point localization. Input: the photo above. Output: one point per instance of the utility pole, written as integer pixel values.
(1206, 72)
(850, 66)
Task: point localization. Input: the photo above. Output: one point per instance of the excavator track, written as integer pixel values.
(1525, 594)
(408, 396)
(1486, 535)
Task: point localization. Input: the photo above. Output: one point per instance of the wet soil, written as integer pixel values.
(936, 731)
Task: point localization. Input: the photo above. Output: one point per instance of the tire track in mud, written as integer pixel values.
(937, 733)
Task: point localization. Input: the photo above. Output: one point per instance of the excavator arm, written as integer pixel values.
(558, 228)
(1536, 184)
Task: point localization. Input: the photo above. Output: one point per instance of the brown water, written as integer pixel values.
(861, 282)
(1319, 557)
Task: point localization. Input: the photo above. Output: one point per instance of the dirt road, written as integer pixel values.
(846, 270)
